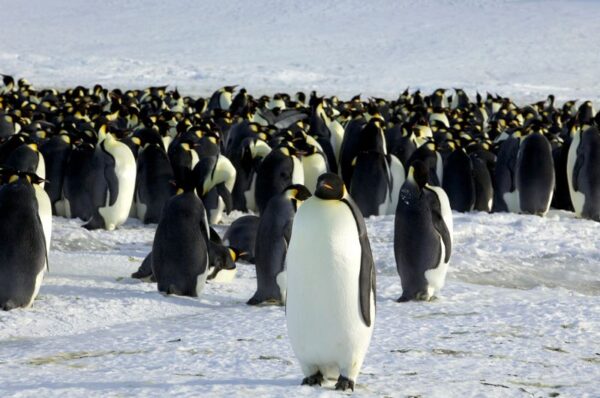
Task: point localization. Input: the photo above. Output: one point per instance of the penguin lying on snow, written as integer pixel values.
(330, 307)
(23, 252)
(422, 236)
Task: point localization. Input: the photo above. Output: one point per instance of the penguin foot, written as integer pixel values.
(344, 383)
(317, 378)
(403, 299)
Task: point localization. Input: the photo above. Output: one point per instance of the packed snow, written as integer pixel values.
(520, 313)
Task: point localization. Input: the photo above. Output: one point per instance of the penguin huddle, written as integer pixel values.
(309, 167)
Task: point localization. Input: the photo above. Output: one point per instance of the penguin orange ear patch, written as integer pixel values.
(13, 178)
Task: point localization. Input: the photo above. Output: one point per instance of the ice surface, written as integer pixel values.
(520, 313)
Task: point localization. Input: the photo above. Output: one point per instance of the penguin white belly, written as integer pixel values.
(225, 172)
(225, 276)
(445, 207)
(398, 177)
(577, 198)
(201, 280)
(297, 172)
(125, 169)
(313, 166)
(216, 215)
(250, 196)
(66, 206)
(281, 280)
(45, 213)
(337, 137)
(36, 289)
(324, 320)
(513, 202)
(439, 168)
(41, 168)
(436, 277)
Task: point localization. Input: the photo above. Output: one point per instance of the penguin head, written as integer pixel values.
(330, 187)
(297, 193)
(9, 175)
(418, 174)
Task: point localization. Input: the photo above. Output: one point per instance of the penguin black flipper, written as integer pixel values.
(579, 162)
(366, 277)
(438, 221)
(144, 272)
(111, 178)
(224, 193)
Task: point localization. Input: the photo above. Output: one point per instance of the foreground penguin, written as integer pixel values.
(22, 241)
(180, 248)
(330, 307)
(272, 239)
(422, 236)
(583, 173)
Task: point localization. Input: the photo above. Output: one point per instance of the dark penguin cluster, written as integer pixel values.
(106, 155)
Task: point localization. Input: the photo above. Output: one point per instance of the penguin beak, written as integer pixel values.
(326, 185)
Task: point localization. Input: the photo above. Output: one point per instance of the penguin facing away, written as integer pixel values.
(180, 248)
(272, 239)
(23, 252)
(330, 307)
(422, 236)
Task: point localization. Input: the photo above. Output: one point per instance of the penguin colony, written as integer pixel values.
(309, 167)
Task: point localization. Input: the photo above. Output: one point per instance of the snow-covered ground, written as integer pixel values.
(520, 315)
(527, 49)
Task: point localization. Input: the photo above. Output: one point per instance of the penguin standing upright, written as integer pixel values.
(153, 182)
(535, 174)
(458, 181)
(23, 252)
(583, 173)
(56, 152)
(272, 239)
(115, 185)
(180, 248)
(422, 236)
(330, 307)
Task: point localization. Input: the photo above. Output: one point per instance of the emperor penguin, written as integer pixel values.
(23, 251)
(115, 185)
(221, 99)
(56, 152)
(241, 234)
(422, 236)
(180, 248)
(279, 169)
(28, 158)
(153, 182)
(535, 177)
(458, 181)
(583, 173)
(272, 239)
(314, 163)
(330, 306)
(215, 172)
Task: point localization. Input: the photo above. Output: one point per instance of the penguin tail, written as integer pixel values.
(8, 305)
(172, 289)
